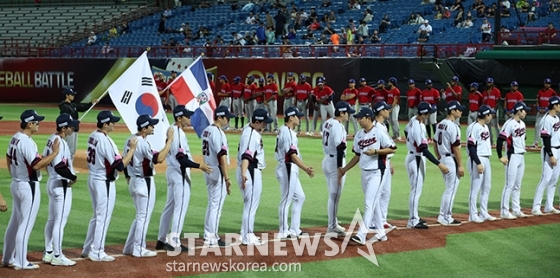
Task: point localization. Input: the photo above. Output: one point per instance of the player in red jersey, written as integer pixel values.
(431, 96)
(271, 101)
(237, 89)
(324, 96)
(491, 97)
(380, 94)
(210, 77)
(453, 92)
(161, 85)
(413, 96)
(258, 94)
(302, 100)
(542, 107)
(350, 95)
(248, 99)
(225, 94)
(365, 94)
(289, 91)
(512, 97)
(475, 101)
(393, 99)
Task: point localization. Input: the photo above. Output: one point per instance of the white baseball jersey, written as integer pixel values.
(63, 156)
(375, 138)
(416, 136)
(142, 163)
(214, 145)
(549, 127)
(383, 128)
(251, 147)
(180, 144)
(286, 144)
(102, 156)
(479, 135)
(514, 134)
(23, 154)
(448, 136)
(334, 137)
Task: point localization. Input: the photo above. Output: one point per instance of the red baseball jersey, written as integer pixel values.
(302, 91)
(392, 94)
(542, 97)
(413, 97)
(365, 94)
(449, 96)
(225, 89)
(380, 95)
(237, 90)
(475, 101)
(491, 98)
(430, 96)
(248, 91)
(512, 98)
(271, 91)
(322, 93)
(348, 92)
(291, 86)
(259, 90)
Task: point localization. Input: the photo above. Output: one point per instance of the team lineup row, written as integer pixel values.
(372, 146)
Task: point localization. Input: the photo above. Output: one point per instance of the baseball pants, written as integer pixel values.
(330, 170)
(480, 184)
(251, 200)
(416, 168)
(494, 125)
(272, 109)
(327, 111)
(451, 181)
(316, 115)
(549, 178)
(259, 105)
(291, 193)
(25, 206)
(354, 123)
(385, 191)
(288, 102)
(72, 141)
(60, 203)
(473, 117)
(143, 193)
(173, 101)
(103, 195)
(249, 109)
(514, 175)
(175, 209)
(412, 111)
(538, 127)
(237, 107)
(394, 119)
(216, 187)
(371, 186)
(302, 106)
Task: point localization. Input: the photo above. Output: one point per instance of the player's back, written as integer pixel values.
(23, 154)
(214, 144)
(415, 132)
(63, 155)
(141, 164)
(447, 135)
(333, 136)
(180, 144)
(286, 140)
(101, 154)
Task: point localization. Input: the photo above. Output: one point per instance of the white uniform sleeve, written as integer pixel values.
(355, 146)
(416, 133)
(29, 152)
(385, 141)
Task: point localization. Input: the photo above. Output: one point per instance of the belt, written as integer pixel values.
(486, 156)
(557, 147)
(334, 155)
(418, 154)
(447, 154)
(236, 97)
(260, 102)
(302, 100)
(474, 110)
(224, 97)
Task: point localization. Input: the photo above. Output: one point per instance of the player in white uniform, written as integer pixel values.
(287, 172)
(447, 147)
(215, 153)
(24, 164)
(141, 185)
(250, 163)
(104, 162)
(479, 150)
(550, 134)
(415, 161)
(179, 162)
(334, 148)
(59, 190)
(513, 131)
(371, 147)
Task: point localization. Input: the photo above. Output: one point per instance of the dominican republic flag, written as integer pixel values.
(134, 94)
(192, 89)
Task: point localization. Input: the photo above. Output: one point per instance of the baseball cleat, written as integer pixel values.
(220, 243)
(377, 238)
(477, 220)
(29, 266)
(508, 216)
(47, 257)
(336, 231)
(357, 240)
(102, 258)
(490, 218)
(420, 225)
(302, 234)
(553, 211)
(7, 264)
(422, 221)
(145, 254)
(537, 212)
(62, 261)
(388, 226)
(520, 214)
(340, 228)
(455, 222)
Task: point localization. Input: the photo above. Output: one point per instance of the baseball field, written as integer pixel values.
(504, 248)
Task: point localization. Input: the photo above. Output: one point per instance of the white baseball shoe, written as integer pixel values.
(553, 211)
(145, 254)
(103, 257)
(47, 258)
(476, 220)
(340, 228)
(489, 218)
(508, 216)
(520, 214)
(537, 212)
(29, 266)
(357, 240)
(337, 231)
(62, 261)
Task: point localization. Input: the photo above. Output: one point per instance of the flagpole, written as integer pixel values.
(87, 111)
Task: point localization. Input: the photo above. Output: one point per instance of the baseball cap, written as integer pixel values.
(351, 81)
(521, 106)
(66, 120)
(411, 81)
(381, 81)
(261, 80)
(547, 81)
(303, 77)
(261, 115)
(30, 116)
(223, 77)
(223, 111)
(291, 111)
(250, 77)
(428, 81)
(455, 78)
(393, 80)
(425, 107)
(380, 105)
(364, 112)
(107, 116)
(173, 71)
(489, 80)
(485, 109)
(270, 76)
(181, 110)
(474, 84)
(69, 91)
(426, 21)
(145, 120)
(237, 79)
(362, 80)
(455, 105)
(514, 83)
(343, 106)
(320, 81)
(290, 74)
(553, 100)
(209, 74)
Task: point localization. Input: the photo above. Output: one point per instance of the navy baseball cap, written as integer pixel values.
(547, 81)
(107, 116)
(393, 80)
(485, 110)
(173, 71)
(320, 81)
(410, 81)
(250, 77)
(381, 81)
(270, 76)
(30, 116)
(291, 111)
(362, 80)
(364, 112)
(474, 84)
(521, 106)
(66, 120)
(343, 106)
(223, 77)
(261, 115)
(351, 81)
(380, 105)
(514, 83)
(237, 79)
(489, 80)
(455, 78)
(69, 91)
(424, 108)
(223, 111)
(428, 81)
(290, 74)
(145, 120)
(261, 80)
(303, 77)
(181, 110)
(455, 105)
(551, 101)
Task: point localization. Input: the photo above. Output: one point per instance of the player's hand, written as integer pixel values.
(448, 85)
(443, 168)
(480, 168)
(56, 145)
(461, 171)
(3, 205)
(341, 173)
(553, 161)
(504, 160)
(228, 185)
(133, 142)
(243, 181)
(309, 170)
(392, 169)
(205, 168)
(127, 180)
(370, 152)
(170, 133)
